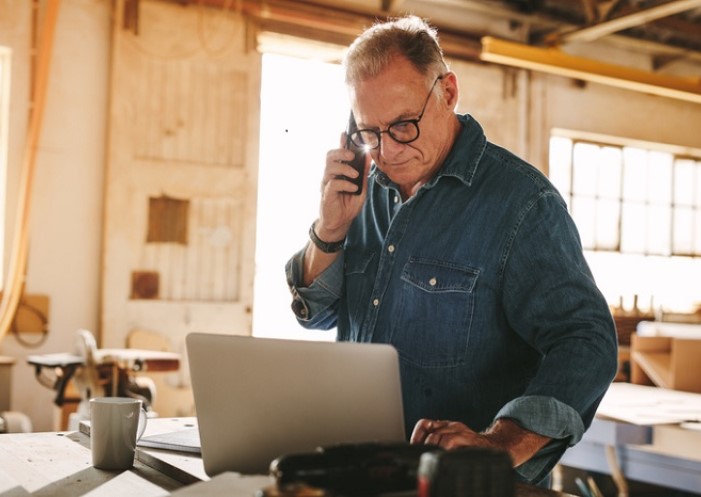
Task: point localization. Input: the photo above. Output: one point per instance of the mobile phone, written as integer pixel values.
(358, 161)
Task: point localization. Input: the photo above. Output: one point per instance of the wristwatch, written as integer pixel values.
(325, 247)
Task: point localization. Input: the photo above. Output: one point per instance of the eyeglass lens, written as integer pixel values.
(401, 131)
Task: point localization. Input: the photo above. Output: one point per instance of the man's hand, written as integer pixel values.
(338, 206)
(337, 210)
(504, 434)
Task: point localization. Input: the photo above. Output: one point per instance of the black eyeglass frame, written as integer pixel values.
(357, 136)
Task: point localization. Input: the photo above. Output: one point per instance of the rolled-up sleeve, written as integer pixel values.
(548, 417)
(315, 306)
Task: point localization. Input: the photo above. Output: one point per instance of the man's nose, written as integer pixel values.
(389, 147)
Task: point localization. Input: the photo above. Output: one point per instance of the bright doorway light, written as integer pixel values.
(304, 109)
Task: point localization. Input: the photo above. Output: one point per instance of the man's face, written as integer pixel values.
(399, 93)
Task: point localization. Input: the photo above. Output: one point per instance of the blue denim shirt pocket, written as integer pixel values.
(432, 288)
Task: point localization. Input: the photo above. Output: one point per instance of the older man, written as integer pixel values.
(462, 256)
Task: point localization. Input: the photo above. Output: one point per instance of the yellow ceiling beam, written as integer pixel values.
(554, 61)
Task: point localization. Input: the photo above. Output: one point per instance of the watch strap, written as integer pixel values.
(325, 247)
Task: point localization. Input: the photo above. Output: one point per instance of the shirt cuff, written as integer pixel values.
(551, 418)
(324, 291)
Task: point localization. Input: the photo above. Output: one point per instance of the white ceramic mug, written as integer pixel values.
(116, 423)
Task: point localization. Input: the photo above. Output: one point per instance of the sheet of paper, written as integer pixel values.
(644, 405)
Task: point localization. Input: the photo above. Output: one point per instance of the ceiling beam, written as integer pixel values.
(596, 31)
(590, 10)
(605, 8)
(554, 61)
(390, 6)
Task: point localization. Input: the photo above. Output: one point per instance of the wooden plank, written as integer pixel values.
(609, 432)
(657, 365)
(230, 484)
(637, 18)
(59, 464)
(677, 441)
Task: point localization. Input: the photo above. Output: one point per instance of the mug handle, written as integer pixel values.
(143, 421)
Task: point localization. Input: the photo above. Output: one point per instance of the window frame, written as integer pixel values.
(622, 204)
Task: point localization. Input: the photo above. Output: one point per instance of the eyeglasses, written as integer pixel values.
(404, 131)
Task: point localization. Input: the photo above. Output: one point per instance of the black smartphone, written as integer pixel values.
(358, 161)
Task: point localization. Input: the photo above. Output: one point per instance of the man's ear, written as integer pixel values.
(450, 89)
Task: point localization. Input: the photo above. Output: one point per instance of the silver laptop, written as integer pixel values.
(260, 398)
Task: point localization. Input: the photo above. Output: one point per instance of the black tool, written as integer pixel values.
(353, 469)
(468, 471)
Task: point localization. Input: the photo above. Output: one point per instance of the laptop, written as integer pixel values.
(259, 398)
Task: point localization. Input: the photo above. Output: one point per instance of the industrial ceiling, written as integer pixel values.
(651, 43)
(667, 30)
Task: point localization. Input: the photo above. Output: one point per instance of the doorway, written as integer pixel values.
(304, 109)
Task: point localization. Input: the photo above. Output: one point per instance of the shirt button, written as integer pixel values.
(432, 281)
(390, 249)
(376, 302)
(396, 199)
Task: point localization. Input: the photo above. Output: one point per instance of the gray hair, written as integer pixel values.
(409, 36)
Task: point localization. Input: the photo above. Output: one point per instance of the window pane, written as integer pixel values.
(584, 215)
(697, 189)
(697, 232)
(584, 174)
(683, 230)
(610, 173)
(633, 228)
(684, 182)
(634, 174)
(658, 229)
(607, 222)
(561, 164)
(660, 178)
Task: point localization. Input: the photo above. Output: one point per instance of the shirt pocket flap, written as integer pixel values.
(439, 276)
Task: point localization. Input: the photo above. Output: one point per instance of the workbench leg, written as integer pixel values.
(619, 478)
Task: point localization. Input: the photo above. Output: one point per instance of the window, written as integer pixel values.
(638, 211)
(4, 125)
(630, 199)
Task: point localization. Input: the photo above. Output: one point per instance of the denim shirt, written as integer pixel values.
(479, 282)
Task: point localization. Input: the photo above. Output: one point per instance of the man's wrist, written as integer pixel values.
(328, 247)
(520, 443)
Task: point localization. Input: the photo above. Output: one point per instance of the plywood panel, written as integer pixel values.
(184, 126)
(190, 111)
(207, 267)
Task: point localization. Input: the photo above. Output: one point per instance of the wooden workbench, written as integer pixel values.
(645, 434)
(58, 464)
